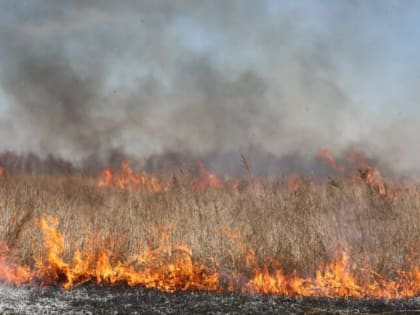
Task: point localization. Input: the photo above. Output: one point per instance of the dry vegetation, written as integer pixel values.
(302, 228)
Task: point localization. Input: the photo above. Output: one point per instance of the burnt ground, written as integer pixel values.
(93, 299)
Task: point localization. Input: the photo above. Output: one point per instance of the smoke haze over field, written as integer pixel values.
(86, 78)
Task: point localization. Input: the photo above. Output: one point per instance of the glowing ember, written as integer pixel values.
(172, 268)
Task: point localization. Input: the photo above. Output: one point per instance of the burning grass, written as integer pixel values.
(339, 238)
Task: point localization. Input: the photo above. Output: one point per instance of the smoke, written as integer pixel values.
(212, 79)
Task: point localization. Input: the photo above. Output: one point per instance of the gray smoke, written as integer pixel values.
(83, 79)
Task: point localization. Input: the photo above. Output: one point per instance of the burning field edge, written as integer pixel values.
(172, 268)
(353, 235)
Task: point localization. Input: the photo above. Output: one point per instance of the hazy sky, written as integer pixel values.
(82, 77)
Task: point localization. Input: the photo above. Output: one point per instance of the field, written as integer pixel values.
(339, 237)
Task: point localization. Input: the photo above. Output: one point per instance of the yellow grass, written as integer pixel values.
(301, 229)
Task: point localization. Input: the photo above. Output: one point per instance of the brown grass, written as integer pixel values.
(301, 229)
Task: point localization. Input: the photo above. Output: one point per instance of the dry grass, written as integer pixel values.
(302, 229)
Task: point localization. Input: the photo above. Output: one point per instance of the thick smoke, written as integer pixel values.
(214, 79)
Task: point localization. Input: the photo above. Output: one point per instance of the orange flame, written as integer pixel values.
(207, 179)
(326, 155)
(127, 178)
(369, 175)
(10, 271)
(106, 178)
(172, 268)
(365, 173)
(294, 182)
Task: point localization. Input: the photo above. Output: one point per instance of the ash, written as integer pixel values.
(94, 299)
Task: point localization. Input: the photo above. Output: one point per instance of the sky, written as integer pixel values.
(148, 77)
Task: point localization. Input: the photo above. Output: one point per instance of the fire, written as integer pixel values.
(326, 155)
(207, 179)
(355, 168)
(10, 270)
(367, 174)
(106, 178)
(294, 182)
(167, 268)
(127, 178)
(172, 268)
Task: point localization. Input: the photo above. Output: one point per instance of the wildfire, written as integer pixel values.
(173, 268)
(356, 169)
(207, 179)
(127, 178)
(365, 173)
(10, 270)
(294, 182)
(327, 156)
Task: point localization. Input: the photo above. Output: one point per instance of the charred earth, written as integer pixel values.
(94, 299)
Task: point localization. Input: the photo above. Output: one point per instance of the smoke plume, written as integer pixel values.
(212, 79)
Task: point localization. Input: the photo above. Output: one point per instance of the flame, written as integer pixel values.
(207, 179)
(127, 178)
(10, 271)
(366, 174)
(172, 268)
(294, 182)
(370, 175)
(326, 155)
(167, 268)
(339, 278)
(106, 178)
(359, 171)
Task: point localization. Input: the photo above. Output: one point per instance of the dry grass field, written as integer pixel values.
(302, 228)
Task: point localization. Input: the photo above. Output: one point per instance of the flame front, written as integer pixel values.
(366, 174)
(127, 178)
(358, 170)
(207, 179)
(173, 268)
(10, 270)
